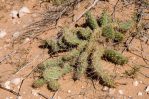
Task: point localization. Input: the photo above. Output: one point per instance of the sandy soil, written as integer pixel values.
(28, 55)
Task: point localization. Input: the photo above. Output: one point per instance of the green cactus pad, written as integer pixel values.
(53, 44)
(53, 85)
(115, 57)
(83, 64)
(38, 83)
(124, 26)
(50, 63)
(98, 69)
(70, 38)
(52, 73)
(84, 33)
(118, 37)
(105, 19)
(91, 21)
(108, 32)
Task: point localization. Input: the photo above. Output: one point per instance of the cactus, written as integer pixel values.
(105, 19)
(56, 72)
(91, 21)
(70, 55)
(61, 44)
(53, 44)
(38, 83)
(98, 70)
(84, 33)
(83, 52)
(53, 85)
(108, 32)
(70, 38)
(67, 68)
(115, 57)
(82, 65)
(52, 73)
(118, 37)
(124, 26)
(50, 63)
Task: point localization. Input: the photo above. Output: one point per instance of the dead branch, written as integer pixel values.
(7, 56)
(49, 20)
(142, 53)
(9, 90)
(29, 74)
(114, 8)
(43, 96)
(28, 64)
(89, 8)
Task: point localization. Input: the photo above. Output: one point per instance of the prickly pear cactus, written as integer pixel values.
(82, 51)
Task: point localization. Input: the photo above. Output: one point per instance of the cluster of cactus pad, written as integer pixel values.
(82, 52)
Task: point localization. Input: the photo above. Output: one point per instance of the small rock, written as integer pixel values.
(135, 83)
(140, 82)
(16, 81)
(16, 34)
(140, 94)
(69, 91)
(105, 88)
(2, 34)
(121, 92)
(35, 92)
(14, 14)
(7, 84)
(24, 10)
(147, 89)
(26, 40)
(130, 97)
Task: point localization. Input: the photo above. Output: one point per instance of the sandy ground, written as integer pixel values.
(28, 55)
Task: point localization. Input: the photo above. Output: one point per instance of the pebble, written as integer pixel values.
(35, 92)
(16, 81)
(147, 89)
(135, 83)
(14, 14)
(121, 92)
(69, 91)
(7, 84)
(140, 82)
(16, 34)
(26, 40)
(105, 88)
(130, 97)
(2, 34)
(140, 94)
(24, 10)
